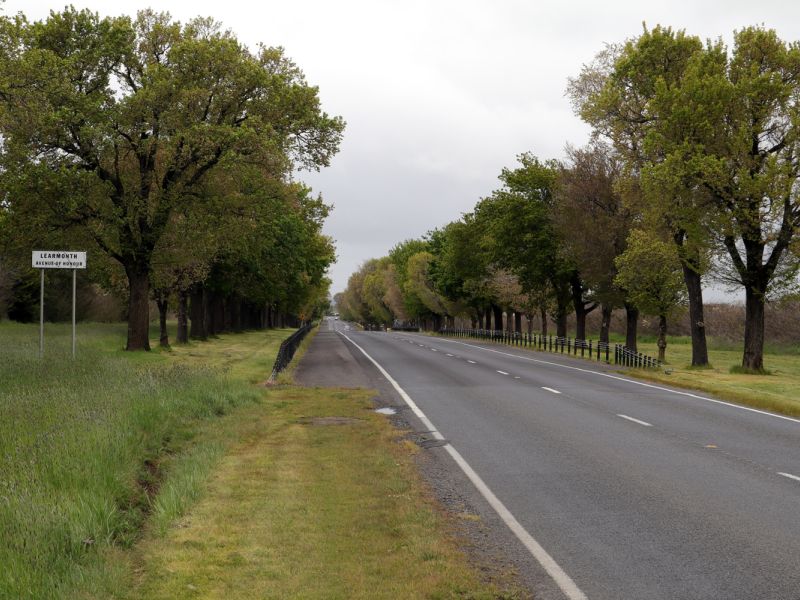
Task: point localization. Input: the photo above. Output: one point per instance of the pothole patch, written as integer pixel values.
(322, 421)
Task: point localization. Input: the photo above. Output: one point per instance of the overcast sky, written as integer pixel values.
(439, 96)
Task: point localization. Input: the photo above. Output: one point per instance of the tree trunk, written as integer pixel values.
(631, 323)
(197, 313)
(182, 335)
(561, 324)
(662, 337)
(163, 304)
(517, 322)
(498, 318)
(580, 305)
(605, 322)
(236, 314)
(697, 324)
(138, 307)
(753, 359)
(529, 320)
(487, 318)
(543, 317)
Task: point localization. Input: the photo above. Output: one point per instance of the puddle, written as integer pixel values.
(386, 411)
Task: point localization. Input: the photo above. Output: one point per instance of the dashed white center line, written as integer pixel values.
(449, 355)
(551, 390)
(517, 377)
(472, 362)
(635, 420)
(790, 476)
(434, 349)
(420, 345)
(502, 373)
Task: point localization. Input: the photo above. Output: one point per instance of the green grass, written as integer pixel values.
(82, 445)
(176, 474)
(302, 509)
(777, 389)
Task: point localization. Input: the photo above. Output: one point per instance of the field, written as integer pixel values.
(176, 474)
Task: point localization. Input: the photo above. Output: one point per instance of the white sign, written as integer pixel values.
(58, 259)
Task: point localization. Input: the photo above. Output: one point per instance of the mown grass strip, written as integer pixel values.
(778, 391)
(316, 497)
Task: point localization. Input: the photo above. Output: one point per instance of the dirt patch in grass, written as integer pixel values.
(321, 421)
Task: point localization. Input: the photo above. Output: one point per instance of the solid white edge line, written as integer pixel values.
(564, 581)
(790, 476)
(631, 381)
(551, 390)
(646, 424)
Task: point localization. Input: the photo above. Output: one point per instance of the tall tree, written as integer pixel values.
(615, 94)
(740, 114)
(141, 111)
(593, 222)
(648, 270)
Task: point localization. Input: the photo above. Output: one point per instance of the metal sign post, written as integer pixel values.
(57, 259)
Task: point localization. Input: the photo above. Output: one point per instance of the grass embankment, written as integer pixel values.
(84, 447)
(173, 474)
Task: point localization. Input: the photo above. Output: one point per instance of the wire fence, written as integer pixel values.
(617, 354)
(288, 348)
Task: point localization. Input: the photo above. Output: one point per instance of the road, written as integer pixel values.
(632, 490)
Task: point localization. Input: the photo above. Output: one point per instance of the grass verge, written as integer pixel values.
(173, 474)
(85, 449)
(777, 390)
(316, 497)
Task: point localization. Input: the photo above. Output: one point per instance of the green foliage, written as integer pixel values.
(82, 443)
(115, 131)
(650, 273)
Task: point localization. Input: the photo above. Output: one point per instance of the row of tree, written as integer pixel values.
(167, 150)
(692, 173)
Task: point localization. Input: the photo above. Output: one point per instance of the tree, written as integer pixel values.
(460, 269)
(520, 235)
(139, 112)
(648, 270)
(616, 95)
(741, 147)
(593, 223)
(420, 285)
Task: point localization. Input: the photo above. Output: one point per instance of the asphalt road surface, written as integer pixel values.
(631, 490)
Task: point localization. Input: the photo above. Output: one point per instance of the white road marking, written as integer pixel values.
(635, 420)
(420, 345)
(517, 377)
(551, 390)
(564, 581)
(502, 373)
(790, 476)
(434, 349)
(472, 362)
(631, 381)
(449, 355)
